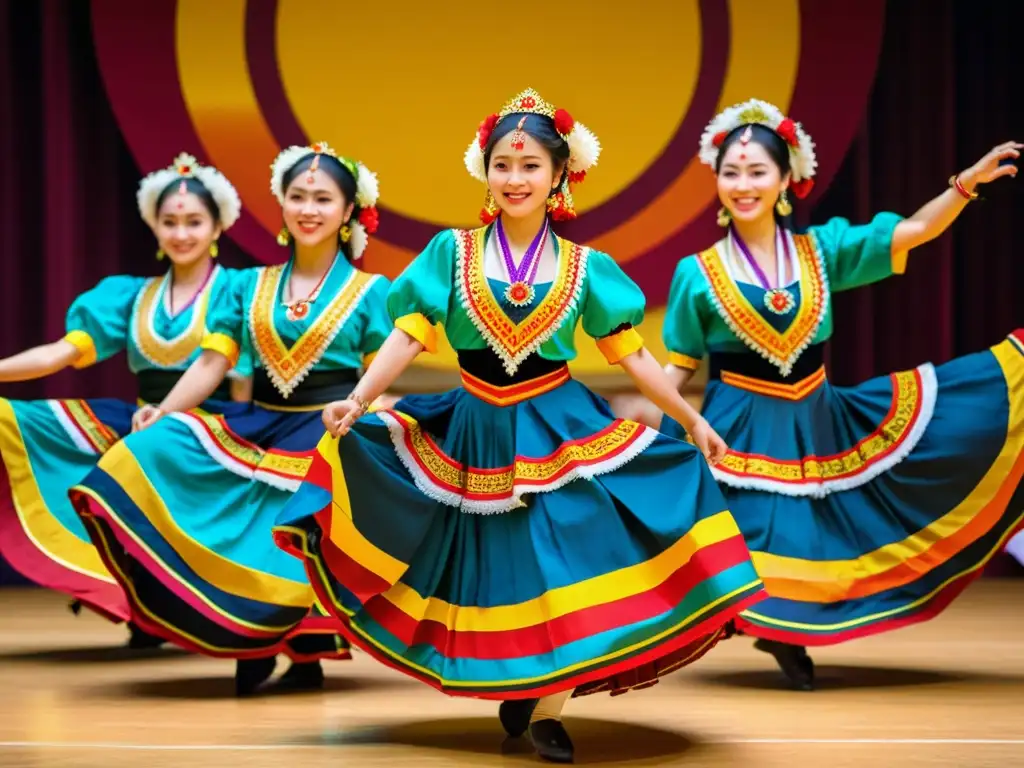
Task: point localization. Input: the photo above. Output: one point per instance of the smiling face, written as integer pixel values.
(749, 182)
(314, 208)
(185, 228)
(521, 178)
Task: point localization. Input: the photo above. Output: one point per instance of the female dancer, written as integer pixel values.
(183, 508)
(867, 508)
(48, 445)
(510, 539)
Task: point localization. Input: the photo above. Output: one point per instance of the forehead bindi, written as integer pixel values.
(746, 155)
(531, 150)
(182, 205)
(315, 182)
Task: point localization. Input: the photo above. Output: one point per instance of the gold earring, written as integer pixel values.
(561, 206)
(723, 217)
(160, 254)
(345, 233)
(214, 250)
(490, 210)
(782, 207)
(283, 236)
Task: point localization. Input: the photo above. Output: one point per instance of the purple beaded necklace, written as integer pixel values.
(778, 300)
(520, 291)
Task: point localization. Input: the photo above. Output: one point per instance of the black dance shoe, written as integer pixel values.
(250, 674)
(141, 640)
(551, 741)
(793, 660)
(515, 716)
(304, 676)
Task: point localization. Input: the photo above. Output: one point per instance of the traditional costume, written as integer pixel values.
(183, 509)
(511, 538)
(48, 445)
(867, 508)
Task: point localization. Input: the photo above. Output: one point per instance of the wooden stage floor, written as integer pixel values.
(949, 692)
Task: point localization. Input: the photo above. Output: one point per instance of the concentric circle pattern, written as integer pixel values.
(403, 89)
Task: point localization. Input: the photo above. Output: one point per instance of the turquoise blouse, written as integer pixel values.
(709, 310)
(446, 285)
(123, 312)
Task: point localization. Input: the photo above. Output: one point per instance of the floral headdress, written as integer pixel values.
(584, 149)
(802, 160)
(183, 168)
(366, 218)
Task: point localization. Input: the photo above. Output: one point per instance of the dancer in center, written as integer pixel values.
(511, 539)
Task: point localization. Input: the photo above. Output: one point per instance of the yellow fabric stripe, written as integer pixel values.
(608, 657)
(683, 361)
(219, 342)
(615, 585)
(40, 526)
(598, 590)
(85, 345)
(795, 391)
(784, 574)
(107, 542)
(515, 393)
(839, 626)
(211, 567)
(343, 531)
(417, 326)
(899, 262)
(620, 345)
(368, 358)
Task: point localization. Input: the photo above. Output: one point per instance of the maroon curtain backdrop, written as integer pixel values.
(945, 93)
(67, 211)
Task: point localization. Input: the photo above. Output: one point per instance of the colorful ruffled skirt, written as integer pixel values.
(181, 513)
(870, 507)
(509, 541)
(46, 446)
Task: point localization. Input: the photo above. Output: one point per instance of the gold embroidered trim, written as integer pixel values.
(514, 342)
(249, 454)
(169, 353)
(95, 431)
(287, 367)
(487, 484)
(895, 428)
(294, 467)
(750, 326)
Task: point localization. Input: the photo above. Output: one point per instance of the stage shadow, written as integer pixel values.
(224, 688)
(598, 742)
(849, 677)
(95, 655)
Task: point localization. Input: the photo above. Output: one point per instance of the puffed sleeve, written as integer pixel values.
(683, 331)
(613, 307)
(859, 255)
(98, 320)
(225, 317)
(378, 321)
(242, 369)
(419, 297)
